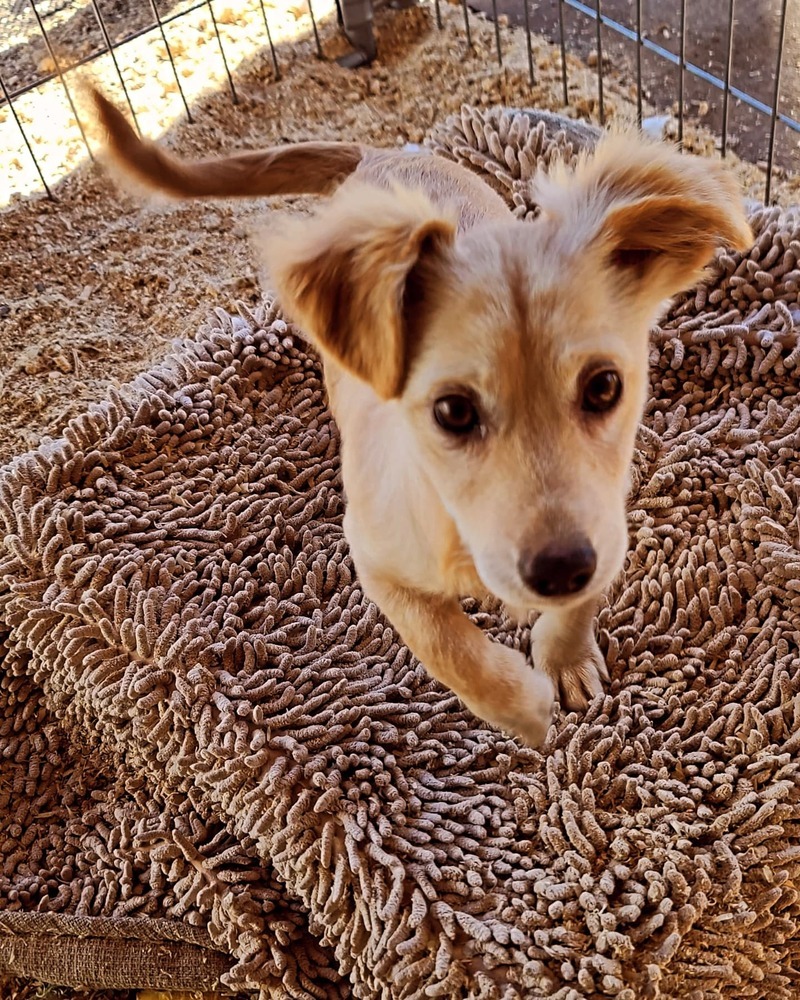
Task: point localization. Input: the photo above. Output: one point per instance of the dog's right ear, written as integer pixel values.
(354, 275)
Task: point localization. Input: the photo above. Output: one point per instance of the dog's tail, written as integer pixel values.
(303, 168)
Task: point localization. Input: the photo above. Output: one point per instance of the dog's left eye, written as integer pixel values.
(602, 391)
(456, 414)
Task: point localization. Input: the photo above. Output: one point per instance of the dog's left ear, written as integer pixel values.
(655, 215)
(355, 276)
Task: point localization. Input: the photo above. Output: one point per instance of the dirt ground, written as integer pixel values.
(754, 59)
(95, 285)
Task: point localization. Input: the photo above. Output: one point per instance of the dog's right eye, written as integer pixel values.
(456, 414)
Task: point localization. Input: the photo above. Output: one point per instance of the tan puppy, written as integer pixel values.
(487, 376)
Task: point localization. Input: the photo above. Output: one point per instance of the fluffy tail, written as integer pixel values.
(303, 168)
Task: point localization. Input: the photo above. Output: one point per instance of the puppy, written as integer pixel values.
(487, 376)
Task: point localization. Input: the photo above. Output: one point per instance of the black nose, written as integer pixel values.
(559, 569)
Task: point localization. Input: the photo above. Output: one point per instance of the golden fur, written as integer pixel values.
(416, 283)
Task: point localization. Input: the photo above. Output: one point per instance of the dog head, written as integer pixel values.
(516, 353)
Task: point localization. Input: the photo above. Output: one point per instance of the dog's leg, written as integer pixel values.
(564, 646)
(496, 683)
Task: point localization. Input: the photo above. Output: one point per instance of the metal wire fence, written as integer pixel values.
(605, 27)
(722, 84)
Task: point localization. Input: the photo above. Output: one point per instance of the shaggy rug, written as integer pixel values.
(219, 764)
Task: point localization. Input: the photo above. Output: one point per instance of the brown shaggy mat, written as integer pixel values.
(217, 760)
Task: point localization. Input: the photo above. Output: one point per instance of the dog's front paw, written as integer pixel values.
(537, 702)
(578, 668)
(516, 698)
